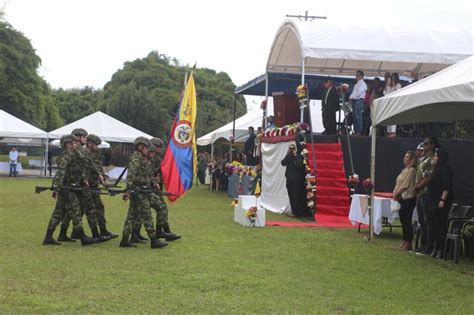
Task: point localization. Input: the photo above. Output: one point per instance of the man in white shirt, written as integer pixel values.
(13, 162)
(357, 97)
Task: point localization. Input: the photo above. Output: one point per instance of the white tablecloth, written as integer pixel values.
(381, 207)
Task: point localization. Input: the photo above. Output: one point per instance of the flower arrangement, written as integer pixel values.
(368, 185)
(251, 214)
(344, 87)
(263, 105)
(301, 92)
(288, 130)
(310, 177)
(353, 179)
(234, 202)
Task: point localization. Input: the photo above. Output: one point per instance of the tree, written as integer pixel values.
(146, 93)
(74, 104)
(23, 92)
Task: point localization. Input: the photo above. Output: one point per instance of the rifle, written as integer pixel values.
(40, 189)
(115, 191)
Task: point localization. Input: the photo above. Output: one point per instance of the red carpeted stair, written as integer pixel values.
(332, 193)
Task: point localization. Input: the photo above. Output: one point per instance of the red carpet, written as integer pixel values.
(332, 194)
(330, 222)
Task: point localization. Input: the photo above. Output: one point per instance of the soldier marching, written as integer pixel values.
(77, 188)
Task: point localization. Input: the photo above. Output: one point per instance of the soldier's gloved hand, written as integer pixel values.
(126, 196)
(54, 194)
(101, 179)
(86, 183)
(157, 186)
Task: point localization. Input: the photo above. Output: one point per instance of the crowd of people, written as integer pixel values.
(214, 171)
(426, 182)
(78, 183)
(361, 99)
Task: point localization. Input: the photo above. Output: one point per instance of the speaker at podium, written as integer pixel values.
(286, 109)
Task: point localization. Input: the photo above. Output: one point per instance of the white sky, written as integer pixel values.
(83, 42)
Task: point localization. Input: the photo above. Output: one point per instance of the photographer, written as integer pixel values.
(295, 182)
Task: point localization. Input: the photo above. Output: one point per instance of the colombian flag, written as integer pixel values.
(179, 164)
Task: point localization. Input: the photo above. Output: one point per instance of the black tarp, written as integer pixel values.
(389, 161)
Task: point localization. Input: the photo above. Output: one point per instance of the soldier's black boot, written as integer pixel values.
(163, 231)
(105, 232)
(99, 237)
(85, 240)
(136, 237)
(75, 235)
(48, 239)
(156, 243)
(125, 242)
(63, 236)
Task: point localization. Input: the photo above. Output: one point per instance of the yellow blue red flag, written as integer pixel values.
(179, 164)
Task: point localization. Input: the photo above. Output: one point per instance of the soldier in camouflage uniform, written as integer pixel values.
(139, 177)
(85, 161)
(157, 201)
(69, 174)
(93, 142)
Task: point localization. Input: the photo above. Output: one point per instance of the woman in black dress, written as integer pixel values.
(440, 194)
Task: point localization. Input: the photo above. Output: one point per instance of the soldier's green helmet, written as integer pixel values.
(65, 139)
(141, 140)
(152, 147)
(79, 132)
(157, 142)
(94, 138)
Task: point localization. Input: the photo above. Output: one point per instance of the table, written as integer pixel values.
(381, 207)
(245, 203)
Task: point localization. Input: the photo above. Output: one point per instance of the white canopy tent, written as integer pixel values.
(252, 118)
(447, 95)
(103, 125)
(444, 96)
(323, 48)
(15, 130)
(103, 145)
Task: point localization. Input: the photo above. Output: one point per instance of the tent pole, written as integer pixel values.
(302, 83)
(265, 110)
(212, 161)
(233, 129)
(46, 156)
(372, 177)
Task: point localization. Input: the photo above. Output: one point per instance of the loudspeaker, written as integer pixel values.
(286, 109)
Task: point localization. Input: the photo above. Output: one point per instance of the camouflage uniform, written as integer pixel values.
(94, 183)
(85, 162)
(138, 177)
(68, 202)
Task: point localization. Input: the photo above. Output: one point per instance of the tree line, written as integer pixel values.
(144, 93)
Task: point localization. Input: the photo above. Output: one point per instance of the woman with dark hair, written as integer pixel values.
(404, 193)
(440, 196)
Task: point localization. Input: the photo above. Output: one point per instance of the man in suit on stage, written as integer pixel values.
(329, 107)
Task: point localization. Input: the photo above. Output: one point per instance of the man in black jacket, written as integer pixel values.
(329, 107)
(295, 182)
(249, 147)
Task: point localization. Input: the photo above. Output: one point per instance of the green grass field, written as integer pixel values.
(218, 266)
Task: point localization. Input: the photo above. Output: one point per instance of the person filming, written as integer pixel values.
(295, 182)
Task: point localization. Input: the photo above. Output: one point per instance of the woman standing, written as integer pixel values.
(404, 193)
(440, 196)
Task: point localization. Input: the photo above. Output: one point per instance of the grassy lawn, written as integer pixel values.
(218, 266)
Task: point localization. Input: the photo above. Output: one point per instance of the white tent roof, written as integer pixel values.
(14, 129)
(252, 118)
(447, 95)
(106, 127)
(341, 50)
(103, 145)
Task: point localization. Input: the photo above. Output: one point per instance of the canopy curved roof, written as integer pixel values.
(103, 125)
(341, 50)
(15, 128)
(447, 95)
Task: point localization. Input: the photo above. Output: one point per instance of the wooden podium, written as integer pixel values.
(286, 109)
